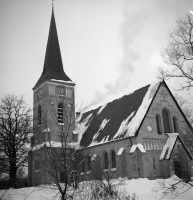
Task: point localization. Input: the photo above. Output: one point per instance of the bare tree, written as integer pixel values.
(186, 106)
(15, 126)
(178, 55)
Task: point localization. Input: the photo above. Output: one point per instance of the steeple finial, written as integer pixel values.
(53, 6)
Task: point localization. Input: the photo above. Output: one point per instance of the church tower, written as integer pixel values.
(53, 93)
(53, 106)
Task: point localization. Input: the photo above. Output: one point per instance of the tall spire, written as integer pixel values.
(53, 67)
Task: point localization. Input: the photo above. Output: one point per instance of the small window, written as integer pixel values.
(51, 89)
(68, 92)
(60, 114)
(39, 115)
(158, 123)
(89, 163)
(166, 121)
(175, 123)
(145, 146)
(148, 146)
(153, 163)
(151, 145)
(106, 161)
(113, 157)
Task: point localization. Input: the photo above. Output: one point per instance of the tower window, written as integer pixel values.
(68, 92)
(158, 123)
(51, 89)
(39, 115)
(166, 121)
(106, 161)
(60, 113)
(175, 123)
(113, 159)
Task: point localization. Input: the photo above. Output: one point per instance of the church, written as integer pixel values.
(142, 134)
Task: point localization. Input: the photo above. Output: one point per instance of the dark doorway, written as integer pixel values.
(177, 169)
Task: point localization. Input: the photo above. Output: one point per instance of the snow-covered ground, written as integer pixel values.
(142, 187)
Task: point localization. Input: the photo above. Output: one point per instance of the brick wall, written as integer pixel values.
(126, 163)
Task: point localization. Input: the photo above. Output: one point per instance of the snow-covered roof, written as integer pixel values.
(169, 146)
(115, 120)
(48, 144)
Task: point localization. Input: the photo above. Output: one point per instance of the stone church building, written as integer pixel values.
(141, 134)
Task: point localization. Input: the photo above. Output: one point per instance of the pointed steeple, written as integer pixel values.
(53, 67)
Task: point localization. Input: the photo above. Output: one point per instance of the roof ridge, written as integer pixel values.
(116, 99)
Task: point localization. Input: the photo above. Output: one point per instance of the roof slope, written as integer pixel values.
(118, 119)
(53, 67)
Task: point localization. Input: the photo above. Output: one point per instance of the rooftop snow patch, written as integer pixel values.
(119, 153)
(124, 117)
(62, 81)
(80, 129)
(93, 157)
(47, 130)
(139, 146)
(102, 126)
(124, 126)
(166, 152)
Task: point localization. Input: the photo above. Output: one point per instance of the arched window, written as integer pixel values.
(113, 159)
(106, 161)
(166, 122)
(158, 123)
(60, 113)
(153, 163)
(175, 123)
(39, 115)
(89, 162)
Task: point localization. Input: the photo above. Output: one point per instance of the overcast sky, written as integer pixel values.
(109, 47)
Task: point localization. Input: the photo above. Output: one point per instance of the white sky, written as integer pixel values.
(109, 47)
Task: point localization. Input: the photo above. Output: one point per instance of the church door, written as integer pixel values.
(177, 169)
